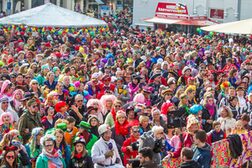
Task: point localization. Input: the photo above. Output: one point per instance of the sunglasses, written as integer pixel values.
(79, 100)
(35, 83)
(27, 77)
(118, 106)
(35, 106)
(10, 157)
(4, 102)
(49, 145)
(136, 131)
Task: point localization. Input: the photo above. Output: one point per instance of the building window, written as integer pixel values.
(36, 3)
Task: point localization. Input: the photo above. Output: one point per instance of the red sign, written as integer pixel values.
(171, 8)
(217, 13)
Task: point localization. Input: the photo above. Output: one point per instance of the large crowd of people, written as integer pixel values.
(124, 97)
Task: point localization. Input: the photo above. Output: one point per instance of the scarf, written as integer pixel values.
(121, 129)
(211, 109)
(113, 113)
(54, 160)
(78, 155)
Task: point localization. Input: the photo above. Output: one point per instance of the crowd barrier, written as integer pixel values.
(221, 154)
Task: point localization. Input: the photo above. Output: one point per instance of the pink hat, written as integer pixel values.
(5, 114)
(77, 84)
(120, 113)
(139, 98)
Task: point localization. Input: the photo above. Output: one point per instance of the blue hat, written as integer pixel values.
(195, 109)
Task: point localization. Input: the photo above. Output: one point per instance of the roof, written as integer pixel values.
(51, 15)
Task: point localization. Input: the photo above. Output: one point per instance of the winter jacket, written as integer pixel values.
(190, 164)
(202, 156)
(149, 164)
(128, 154)
(28, 121)
(42, 161)
(83, 162)
(147, 140)
(214, 136)
(235, 145)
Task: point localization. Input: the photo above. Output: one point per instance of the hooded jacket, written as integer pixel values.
(203, 156)
(190, 164)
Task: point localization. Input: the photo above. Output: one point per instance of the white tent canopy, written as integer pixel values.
(51, 15)
(237, 27)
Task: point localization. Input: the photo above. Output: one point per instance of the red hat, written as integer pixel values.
(57, 54)
(59, 105)
(48, 44)
(165, 107)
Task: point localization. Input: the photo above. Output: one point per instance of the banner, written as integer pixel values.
(221, 154)
(164, 8)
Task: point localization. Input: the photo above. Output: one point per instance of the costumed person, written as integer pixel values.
(10, 158)
(84, 132)
(130, 145)
(29, 120)
(94, 124)
(226, 119)
(121, 129)
(16, 102)
(145, 124)
(50, 157)
(71, 130)
(111, 117)
(239, 129)
(184, 139)
(186, 73)
(121, 91)
(209, 112)
(104, 151)
(107, 101)
(97, 106)
(134, 86)
(48, 120)
(60, 144)
(80, 157)
(6, 124)
(33, 147)
(61, 108)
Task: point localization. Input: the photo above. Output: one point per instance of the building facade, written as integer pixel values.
(84, 6)
(218, 10)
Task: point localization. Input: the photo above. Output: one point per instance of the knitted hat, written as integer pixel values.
(195, 109)
(120, 113)
(103, 128)
(90, 117)
(139, 98)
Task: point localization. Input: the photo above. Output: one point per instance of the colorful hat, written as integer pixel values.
(120, 113)
(84, 125)
(59, 105)
(79, 140)
(195, 109)
(62, 126)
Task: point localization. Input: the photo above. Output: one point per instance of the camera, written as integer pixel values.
(159, 146)
(135, 145)
(135, 163)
